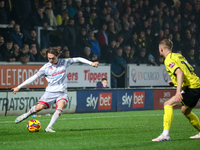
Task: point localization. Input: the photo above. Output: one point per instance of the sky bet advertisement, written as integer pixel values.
(96, 101)
(109, 101)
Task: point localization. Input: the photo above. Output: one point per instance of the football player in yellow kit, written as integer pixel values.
(187, 92)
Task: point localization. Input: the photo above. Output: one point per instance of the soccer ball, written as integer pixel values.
(33, 125)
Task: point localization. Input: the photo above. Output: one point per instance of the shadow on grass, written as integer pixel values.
(89, 129)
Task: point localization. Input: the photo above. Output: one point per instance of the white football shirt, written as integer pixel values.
(55, 74)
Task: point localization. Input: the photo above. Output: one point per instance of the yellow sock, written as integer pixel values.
(168, 117)
(194, 120)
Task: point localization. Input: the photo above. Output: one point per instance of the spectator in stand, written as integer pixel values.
(16, 36)
(45, 34)
(148, 40)
(152, 60)
(102, 14)
(79, 25)
(66, 54)
(50, 14)
(117, 22)
(126, 53)
(25, 55)
(16, 51)
(126, 33)
(78, 15)
(170, 36)
(143, 57)
(142, 40)
(43, 55)
(133, 59)
(95, 44)
(111, 31)
(69, 36)
(94, 57)
(82, 42)
(133, 42)
(155, 24)
(39, 19)
(166, 33)
(34, 52)
(32, 40)
(52, 19)
(63, 18)
(78, 6)
(2, 45)
(177, 44)
(103, 38)
(113, 5)
(193, 45)
(109, 9)
(103, 84)
(71, 9)
(94, 21)
(124, 6)
(110, 51)
(86, 14)
(190, 56)
(7, 52)
(108, 19)
(146, 7)
(119, 41)
(3, 13)
(87, 53)
(117, 68)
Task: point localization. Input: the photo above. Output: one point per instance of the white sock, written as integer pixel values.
(165, 132)
(31, 111)
(55, 117)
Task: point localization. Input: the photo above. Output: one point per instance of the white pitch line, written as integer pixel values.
(3, 122)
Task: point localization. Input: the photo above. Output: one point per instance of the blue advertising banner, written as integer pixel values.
(96, 101)
(128, 100)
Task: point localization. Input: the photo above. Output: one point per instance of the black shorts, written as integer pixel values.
(190, 97)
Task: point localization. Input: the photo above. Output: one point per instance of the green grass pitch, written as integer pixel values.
(131, 130)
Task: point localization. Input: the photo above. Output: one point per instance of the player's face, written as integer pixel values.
(52, 58)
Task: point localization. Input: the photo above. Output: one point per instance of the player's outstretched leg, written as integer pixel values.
(54, 118)
(195, 123)
(167, 120)
(25, 115)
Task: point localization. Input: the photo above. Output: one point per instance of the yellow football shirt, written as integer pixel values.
(173, 61)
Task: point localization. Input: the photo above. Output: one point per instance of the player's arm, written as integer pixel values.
(179, 76)
(83, 60)
(25, 83)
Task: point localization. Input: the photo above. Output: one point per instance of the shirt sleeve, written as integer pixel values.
(171, 65)
(41, 72)
(28, 81)
(83, 60)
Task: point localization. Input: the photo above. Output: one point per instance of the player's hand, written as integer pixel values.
(95, 64)
(15, 90)
(170, 83)
(178, 97)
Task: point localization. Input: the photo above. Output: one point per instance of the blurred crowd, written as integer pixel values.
(110, 31)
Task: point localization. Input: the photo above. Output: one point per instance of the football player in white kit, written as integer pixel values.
(55, 72)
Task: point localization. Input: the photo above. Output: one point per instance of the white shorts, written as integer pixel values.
(48, 98)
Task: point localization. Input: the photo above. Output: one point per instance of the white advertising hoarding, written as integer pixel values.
(22, 101)
(3, 103)
(87, 76)
(146, 76)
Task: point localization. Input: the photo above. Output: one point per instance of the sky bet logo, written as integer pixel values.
(104, 101)
(137, 97)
